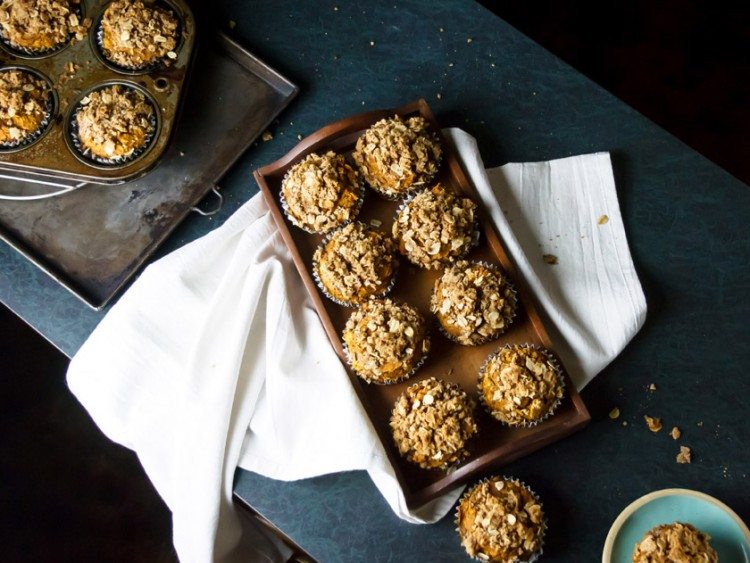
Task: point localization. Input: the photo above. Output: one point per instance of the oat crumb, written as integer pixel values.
(439, 96)
(653, 423)
(266, 136)
(232, 24)
(372, 43)
(614, 414)
(675, 433)
(700, 423)
(550, 259)
(652, 387)
(624, 422)
(603, 220)
(299, 137)
(685, 455)
(469, 40)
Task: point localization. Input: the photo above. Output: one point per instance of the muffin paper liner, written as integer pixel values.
(542, 528)
(441, 263)
(560, 379)
(34, 136)
(26, 52)
(294, 221)
(322, 287)
(509, 320)
(96, 160)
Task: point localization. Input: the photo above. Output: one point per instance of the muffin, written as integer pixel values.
(385, 341)
(114, 122)
(25, 103)
(674, 543)
(355, 263)
(134, 35)
(321, 192)
(432, 422)
(500, 520)
(397, 157)
(435, 227)
(520, 385)
(473, 302)
(36, 26)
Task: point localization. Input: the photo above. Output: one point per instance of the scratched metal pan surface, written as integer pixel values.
(94, 239)
(53, 155)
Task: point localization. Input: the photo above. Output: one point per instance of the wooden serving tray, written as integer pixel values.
(494, 444)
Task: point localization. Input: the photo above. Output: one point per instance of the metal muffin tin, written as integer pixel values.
(53, 154)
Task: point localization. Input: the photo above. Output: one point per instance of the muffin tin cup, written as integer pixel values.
(26, 53)
(324, 290)
(43, 127)
(560, 379)
(542, 527)
(88, 157)
(475, 236)
(509, 320)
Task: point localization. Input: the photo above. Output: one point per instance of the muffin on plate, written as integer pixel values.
(431, 422)
(135, 35)
(25, 103)
(37, 26)
(473, 302)
(398, 156)
(520, 385)
(385, 341)
(435, 227)
(355, 263)
(501, 520)
(321, 193)
(114, 123)
(675, 543)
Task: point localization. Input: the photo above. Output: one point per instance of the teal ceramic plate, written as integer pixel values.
(730, 536)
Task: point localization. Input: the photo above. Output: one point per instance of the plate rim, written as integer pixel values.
(609, 542)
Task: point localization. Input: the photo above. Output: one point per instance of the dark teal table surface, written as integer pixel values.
(687, 222)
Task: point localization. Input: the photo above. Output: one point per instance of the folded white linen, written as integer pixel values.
(215, 356)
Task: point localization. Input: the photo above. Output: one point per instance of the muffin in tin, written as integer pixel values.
(25, 104)
(435, 227)
(39, 26)
(321, 192)
(501, 521)
(355, 263)
(473, 302)
(385, 341)
(135, 35)
(114, 123)
(675, 543)
(431, 422)
(520, 385)
(398, 156)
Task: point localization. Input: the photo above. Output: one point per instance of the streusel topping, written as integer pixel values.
(24, 104)
(500, 520)
(675, 543)
(397, 156)
(39, 25)
(520, 384)
(474, 302)
(435, 227)
(385, 340)
(431, 423)
(357, 262)
(322, 192)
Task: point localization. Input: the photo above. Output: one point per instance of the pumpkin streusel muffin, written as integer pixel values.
(25, 104)
(134, 35)
(675, 543)
(355, 263)
(114, 122)
(36, 26)
(385, 341)
(473, 302)
(520, 385)
(321, 192)
(431, 423)
(398, 156)
(501, 521)
(435, 227)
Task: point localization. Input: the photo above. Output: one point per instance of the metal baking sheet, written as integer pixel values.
(94, 239)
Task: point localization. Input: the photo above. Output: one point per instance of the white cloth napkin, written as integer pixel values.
(215, 357)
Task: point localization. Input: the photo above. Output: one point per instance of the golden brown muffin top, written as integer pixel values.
(117, 118)
(501, 520)
(39, 25)
(322, 192)
(435, 226)
(397, 156)
(520, 384)
(675, 543)
(431, 423)
(136, 34)
(473, 301)
(24, 103)
(385, 340)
